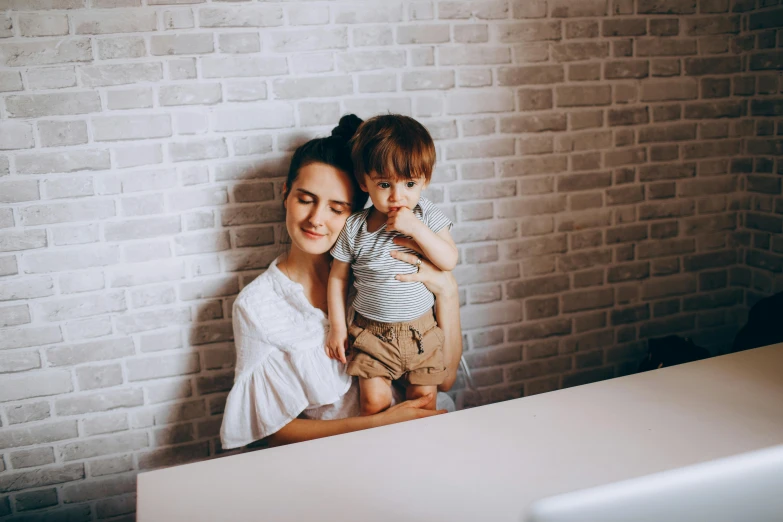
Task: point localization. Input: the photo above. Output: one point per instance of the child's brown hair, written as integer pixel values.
(392, 146)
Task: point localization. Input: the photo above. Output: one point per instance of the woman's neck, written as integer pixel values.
(306, 269)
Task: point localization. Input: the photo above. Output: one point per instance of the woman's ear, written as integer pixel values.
(284, 193)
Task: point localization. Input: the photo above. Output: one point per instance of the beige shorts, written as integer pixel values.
(412, 351)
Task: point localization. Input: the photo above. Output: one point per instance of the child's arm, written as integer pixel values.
(336, 294)
(438, 248)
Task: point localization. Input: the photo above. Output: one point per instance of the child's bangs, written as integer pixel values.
(397, 161)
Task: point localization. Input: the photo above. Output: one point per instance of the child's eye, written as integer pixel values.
(384, 185)
(411, 184)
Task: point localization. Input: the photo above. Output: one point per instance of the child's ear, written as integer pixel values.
(363, 185)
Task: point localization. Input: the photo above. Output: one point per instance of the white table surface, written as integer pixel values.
(492, 462)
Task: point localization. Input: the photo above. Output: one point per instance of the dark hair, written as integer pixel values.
(332, 150)
(393, 146)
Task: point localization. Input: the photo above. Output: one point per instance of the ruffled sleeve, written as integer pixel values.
(275, 380)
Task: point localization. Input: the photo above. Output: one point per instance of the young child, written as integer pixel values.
(394, 334)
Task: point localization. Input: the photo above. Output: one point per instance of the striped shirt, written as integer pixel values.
(379, 296)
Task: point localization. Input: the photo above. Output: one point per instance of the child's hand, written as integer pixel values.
(402, 220)
(336, 344)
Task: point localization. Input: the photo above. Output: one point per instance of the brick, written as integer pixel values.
(582, 260)
(90, 351)
(529, 31)
(540, 330)
(46, 52)
(670, 90)
(535, 123)
(17, 192)
(106, 22)
(165, 366)
(568, 52)
(58, 104)
(94, 377)
(578, 96)
(37, 24)
(626, 69)
(712, 25)
(472, 33)
(242, 66)
(582, 29)
(667, 171)
(712, 65)
(13, 240)
(537, 286)
(485, 148)
(117, 443)
(36, 499)
(40, 384)
(112, 128)
(628, 116)
(666, 6)
(535, 247)
(310, 39)
(765, 61)
(10, 81)
(669, 286)
(239, 43)
(120, 74)
(530, 75)
(566, 8)
(121, 47)
(725, 109)
(19, 481)
(624, 27)
(14, 315)
(99, 401)
(677, 132)
(173, 456)
(587, 300)
(19, 362)
(92, 490)
(162, 45)
(267, 116)
(667, 326)
(62, 133)
(665, 67)
(32, 458)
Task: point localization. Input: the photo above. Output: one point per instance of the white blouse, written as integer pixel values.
(282, 371)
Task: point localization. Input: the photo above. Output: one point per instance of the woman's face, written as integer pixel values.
(317, 205)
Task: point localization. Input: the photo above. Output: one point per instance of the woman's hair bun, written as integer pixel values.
(347, 127)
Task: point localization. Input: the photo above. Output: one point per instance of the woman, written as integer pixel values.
(285, 387)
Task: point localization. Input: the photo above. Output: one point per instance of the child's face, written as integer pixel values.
(392, 193)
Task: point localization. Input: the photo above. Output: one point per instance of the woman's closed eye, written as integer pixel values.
(305, 201)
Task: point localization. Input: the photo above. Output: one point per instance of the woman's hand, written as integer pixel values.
(405, 411)
(440, 283)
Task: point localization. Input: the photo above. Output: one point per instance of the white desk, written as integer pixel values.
(490, 463)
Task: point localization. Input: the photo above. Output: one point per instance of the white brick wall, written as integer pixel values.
(612, 167)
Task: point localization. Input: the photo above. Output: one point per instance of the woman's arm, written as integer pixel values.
(299, 430)
(444, 287)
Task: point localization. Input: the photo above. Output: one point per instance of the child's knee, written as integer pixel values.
(415, 392)
(373, 403)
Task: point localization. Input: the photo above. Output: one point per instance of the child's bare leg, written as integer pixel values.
(375, 395)
(414, 391)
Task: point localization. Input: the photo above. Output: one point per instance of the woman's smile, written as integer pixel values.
(311, 235)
